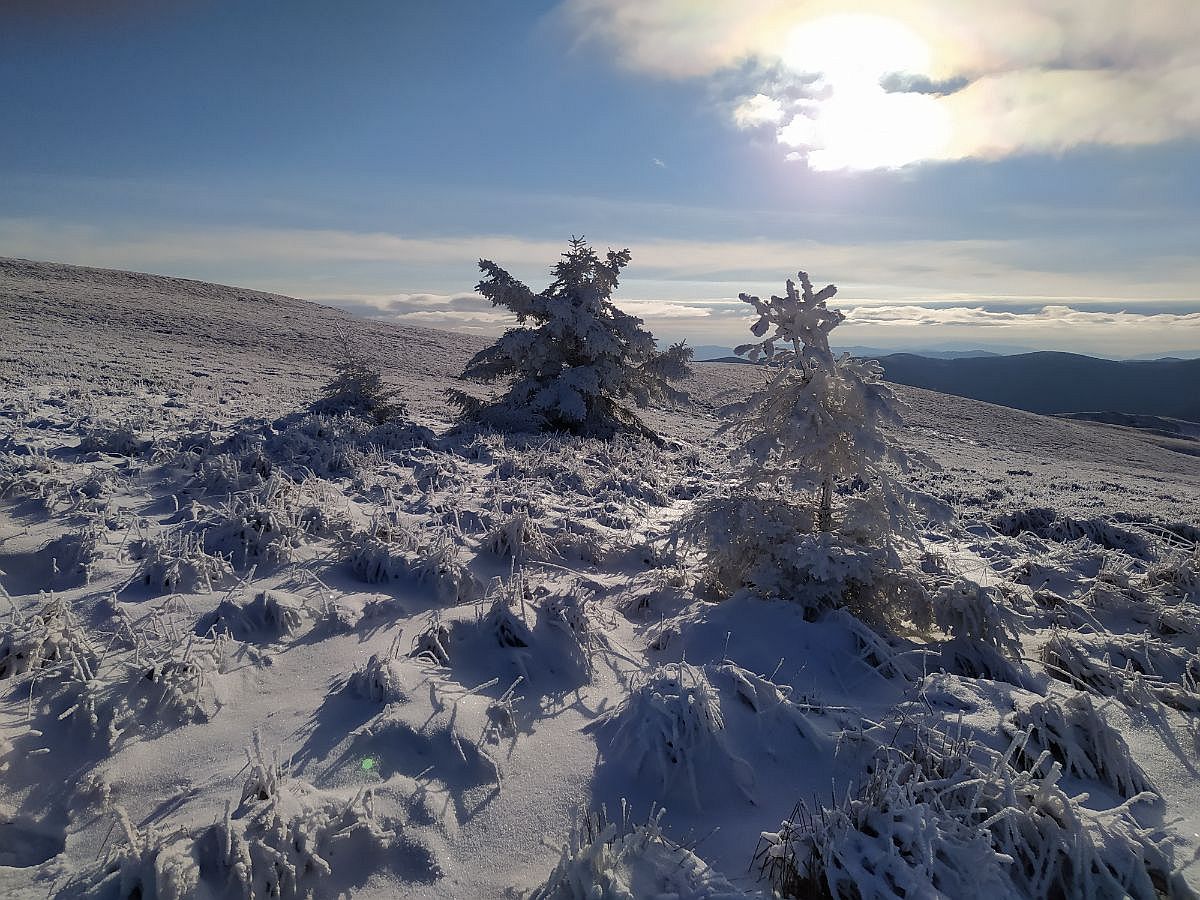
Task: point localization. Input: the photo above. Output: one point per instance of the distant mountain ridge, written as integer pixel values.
(1048, 382)
(1051, 382)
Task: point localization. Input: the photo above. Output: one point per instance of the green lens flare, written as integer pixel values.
(368, 764)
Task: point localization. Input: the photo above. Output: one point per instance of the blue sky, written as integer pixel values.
(1026, 179)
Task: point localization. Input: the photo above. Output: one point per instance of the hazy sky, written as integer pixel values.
(969, 172)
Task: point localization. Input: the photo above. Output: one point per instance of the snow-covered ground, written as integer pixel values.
(253, 649)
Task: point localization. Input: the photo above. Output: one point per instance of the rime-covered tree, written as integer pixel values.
(357, 385)
(575, 362)
(817, 421)
(813, 512)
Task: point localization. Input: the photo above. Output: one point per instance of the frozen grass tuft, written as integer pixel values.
(145, 864)
(270, 616)
(382, 679)
(1051, 525)
(931, 820)
(1075, 735)
(625, 859)
(47, 641)
(176, 560)
(671, 718)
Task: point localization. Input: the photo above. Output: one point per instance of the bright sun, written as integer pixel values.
(858, 124)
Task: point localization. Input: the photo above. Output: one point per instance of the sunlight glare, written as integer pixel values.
(857, 124)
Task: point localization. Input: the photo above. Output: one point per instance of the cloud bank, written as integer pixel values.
(894, 291)
(884, 83)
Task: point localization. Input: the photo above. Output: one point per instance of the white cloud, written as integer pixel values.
(1035, 75)
(1047, 316)
(758, 110)
(894, 289)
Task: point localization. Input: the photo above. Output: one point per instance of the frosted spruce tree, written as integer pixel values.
(575, 362)
(813, 513)
(357, 385)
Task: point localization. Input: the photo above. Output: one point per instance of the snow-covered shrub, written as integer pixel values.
(814, 514)
(984, 635)
(271, 615)
(438, 562)
(162, 685)
(357, 386)
(581, 362)
(575, 618)
(176, 560)
(173, 685)
(1075, 735)
(627, 860)
(965, 609)
(266, 526)
(517, 535)
(91, 493)
(226, 473)
(32, 475)
(431, 644)
(1179, 573)
(1133, 669)
(903, 832)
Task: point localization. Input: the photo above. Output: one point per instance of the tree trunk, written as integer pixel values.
(825, 511)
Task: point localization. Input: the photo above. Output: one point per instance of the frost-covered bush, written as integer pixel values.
(518, 536)
(227, 473)
(965, 609)
(814, 513)
(984, 634)
(32, 475)
(296, 841)
(438, 562)
(386, 552)
(1134, 669)
(357, 386)
(1179, 573)
(266, 526)
(581, 362)
(376, 555)
(117, 438)
(627, 860)
(163, 683)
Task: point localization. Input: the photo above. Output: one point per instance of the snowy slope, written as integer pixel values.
(393, 661)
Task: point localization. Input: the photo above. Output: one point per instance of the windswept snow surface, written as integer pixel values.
(254, 651)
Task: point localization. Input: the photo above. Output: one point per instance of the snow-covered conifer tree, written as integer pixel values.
(357, 385)
(575, 361)
(814, 512)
